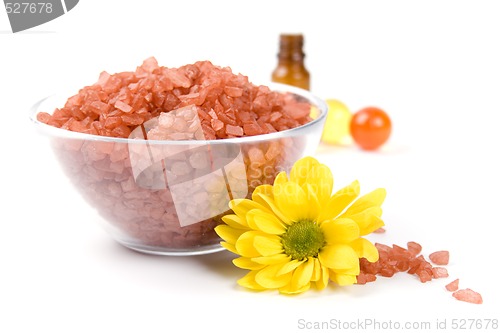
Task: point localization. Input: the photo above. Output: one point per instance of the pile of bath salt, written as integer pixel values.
(395, 258)
(228, 105)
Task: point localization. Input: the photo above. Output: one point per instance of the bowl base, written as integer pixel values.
(207, 249)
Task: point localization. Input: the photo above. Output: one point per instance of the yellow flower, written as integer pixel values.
(295, 233)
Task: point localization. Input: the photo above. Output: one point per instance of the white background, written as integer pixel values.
(434, 66)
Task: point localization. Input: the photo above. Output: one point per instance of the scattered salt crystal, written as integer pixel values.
(414, 248)
(468, 295)
(453, 285)
(440, 257)
(439, 272)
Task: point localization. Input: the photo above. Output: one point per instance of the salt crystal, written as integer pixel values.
(439, 272)
(453, 285)
(103, 78)
(468, 295)
(132, 119)
(217, 124)
(440, 257)
(233, 91)
(414, 248)
(424, 275)
(234, 130)
(252, 128)
(123, 106)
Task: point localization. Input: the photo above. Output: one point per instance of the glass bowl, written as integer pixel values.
(166, 196)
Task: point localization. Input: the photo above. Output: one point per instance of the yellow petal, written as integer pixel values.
(301, 169)
(365, 249)
(289, 290)
(343, 280)
(272, 205)
(320, 178)
(374, 198)
(290, 266)
(228, 233)
(234, 221)
(338, 256)
(266, 222)
(351, 271)
(339, 201)
(302, 275)
(245, 244)
(367, 220)
(248, 281)
(313, 203)
(241, 207)
(281, 178)
(340, 231)
(265, 190)
(292, 201)
(280, 258)
(247, 263)
(317, 270)
(229, 247)
(268, 245)
(324, 278)
(268, 277)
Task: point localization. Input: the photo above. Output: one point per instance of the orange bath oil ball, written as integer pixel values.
(370, 128)
(336, 130)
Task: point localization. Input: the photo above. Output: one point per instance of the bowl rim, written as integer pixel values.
(280, 87)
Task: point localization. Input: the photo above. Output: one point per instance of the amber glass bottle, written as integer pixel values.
(291, 69)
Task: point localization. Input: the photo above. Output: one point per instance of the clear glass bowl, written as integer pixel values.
(165, 196)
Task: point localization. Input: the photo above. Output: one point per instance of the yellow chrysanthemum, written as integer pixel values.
(295, 233)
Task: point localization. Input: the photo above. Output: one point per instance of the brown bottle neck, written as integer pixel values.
(291, 49)
(291, 57)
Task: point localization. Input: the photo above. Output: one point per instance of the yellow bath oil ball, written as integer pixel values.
(337, 123)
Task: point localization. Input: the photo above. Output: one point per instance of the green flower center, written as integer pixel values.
(303, 239)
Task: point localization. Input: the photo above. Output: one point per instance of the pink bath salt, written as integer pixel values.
(123, 106)
(252, 128)
(117, 103)
(414, 248)
(364, 278)
(234, 130)
(440, 257)
(379, 231)
(233, 91)
(453, 285)
(439, 272)
(425, 275)
(217, 125)
(468, 295)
